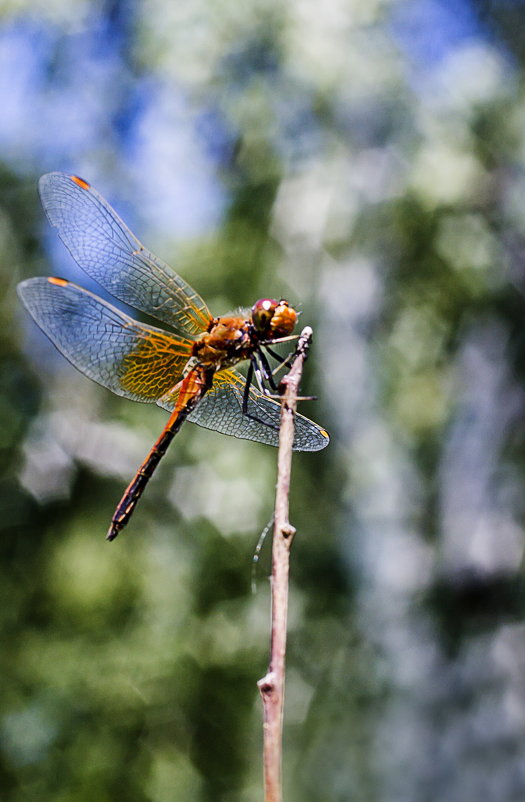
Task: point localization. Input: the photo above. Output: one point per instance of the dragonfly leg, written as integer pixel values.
(266, 372)
(253, 368)
(251, 416)
(282, 360)
(247, 385)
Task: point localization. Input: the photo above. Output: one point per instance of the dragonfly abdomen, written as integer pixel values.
(193, 388)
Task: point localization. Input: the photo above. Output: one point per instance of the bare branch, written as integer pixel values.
(271, 686)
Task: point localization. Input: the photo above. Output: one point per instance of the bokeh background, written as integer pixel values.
(365, 159)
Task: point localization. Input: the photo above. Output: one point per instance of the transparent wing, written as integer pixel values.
(144, 363)
(107, 250)
(221, 409)
(131, 359)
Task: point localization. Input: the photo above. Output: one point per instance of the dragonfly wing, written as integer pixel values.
(132, 359)
(221, 410)
(108, 251)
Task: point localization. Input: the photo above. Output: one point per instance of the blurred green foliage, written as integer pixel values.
(367, 161)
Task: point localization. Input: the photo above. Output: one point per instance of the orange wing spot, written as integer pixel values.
(80, 182)
(60, 282)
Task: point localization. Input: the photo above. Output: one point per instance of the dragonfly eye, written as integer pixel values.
(262, 314)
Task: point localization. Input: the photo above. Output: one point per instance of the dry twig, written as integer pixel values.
(272, 685)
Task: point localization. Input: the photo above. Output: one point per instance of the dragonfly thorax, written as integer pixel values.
(228, 341)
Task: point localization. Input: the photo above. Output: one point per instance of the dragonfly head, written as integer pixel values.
(273, 319)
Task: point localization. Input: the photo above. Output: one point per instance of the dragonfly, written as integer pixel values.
(190, 368)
